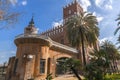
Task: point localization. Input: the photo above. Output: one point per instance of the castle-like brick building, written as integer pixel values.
(37, 54)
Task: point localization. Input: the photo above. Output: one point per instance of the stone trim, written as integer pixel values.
(48, 39)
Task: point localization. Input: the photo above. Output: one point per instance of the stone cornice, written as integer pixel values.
(44, 38)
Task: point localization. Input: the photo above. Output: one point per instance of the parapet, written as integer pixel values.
(53, 31)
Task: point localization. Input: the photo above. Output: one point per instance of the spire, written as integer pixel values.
(31, 29)
(31, 23)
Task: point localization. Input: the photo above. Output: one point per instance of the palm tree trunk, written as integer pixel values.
(111, 66)
(76, 73)
(116, 66)
(83, 50)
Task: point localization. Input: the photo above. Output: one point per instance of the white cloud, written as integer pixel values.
(99, 17)
(110, 38)
(55, 24)
(2, 56)
(12, 52)
(85, 4)
(14, 2)
(5, 55)
(98, 2)
(38, 29)
(24, 2)
(104, 4)
(108, 6)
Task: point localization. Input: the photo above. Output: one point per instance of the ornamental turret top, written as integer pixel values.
(31, 29)
(31, 23)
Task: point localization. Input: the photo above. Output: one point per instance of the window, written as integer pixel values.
(42, 66)
(62, 41)
(69, 12)
(15, 66)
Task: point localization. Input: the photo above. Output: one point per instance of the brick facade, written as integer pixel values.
(35, 50)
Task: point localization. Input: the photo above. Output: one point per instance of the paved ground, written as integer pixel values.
(66, 77)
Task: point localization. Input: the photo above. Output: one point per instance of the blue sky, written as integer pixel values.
(48, 13)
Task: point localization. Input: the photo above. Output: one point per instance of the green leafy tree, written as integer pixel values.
(111, 54)
(102, 61)
(73, 65)
(49, 77)
(82, 31)
(97, 66)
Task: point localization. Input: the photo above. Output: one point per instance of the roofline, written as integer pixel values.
(48, 39)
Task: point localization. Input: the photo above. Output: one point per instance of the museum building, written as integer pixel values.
(37, 54)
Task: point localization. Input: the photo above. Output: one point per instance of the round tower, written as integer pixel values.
(31, 49)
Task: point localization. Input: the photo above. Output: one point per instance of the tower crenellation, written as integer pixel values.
(71, 10)
(59, 33)
(53, 31)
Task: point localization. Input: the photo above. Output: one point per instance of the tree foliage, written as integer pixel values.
(102, 61)
(97, 66)
(111, 54)
(73, 65)
(49, 77)
(82, 31)
(118, 30)
(7, 16)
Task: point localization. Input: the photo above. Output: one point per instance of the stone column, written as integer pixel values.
(37, 64)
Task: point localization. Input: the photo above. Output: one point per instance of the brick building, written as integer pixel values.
(37, 54)
(3, 68)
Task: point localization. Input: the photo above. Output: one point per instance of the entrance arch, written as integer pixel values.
(56, 58)
(60, 60)
(60, 66)
(61, 55)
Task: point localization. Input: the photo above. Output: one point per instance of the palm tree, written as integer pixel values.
(96, 68)
(118, 41)
(82, 31)
(118, 29)
(118, 19)
(111, 53)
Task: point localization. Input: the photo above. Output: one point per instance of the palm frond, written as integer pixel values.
(84, 23)
(117, 30)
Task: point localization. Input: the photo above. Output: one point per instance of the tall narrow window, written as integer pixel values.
(42, 66)
(62, 41)
(15, 66)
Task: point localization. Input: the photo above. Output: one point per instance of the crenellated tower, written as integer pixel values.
(58, 33)
(71, 10)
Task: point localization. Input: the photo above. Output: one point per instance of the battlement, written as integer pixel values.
(72, 9)
(53, 31)
(70, 4)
